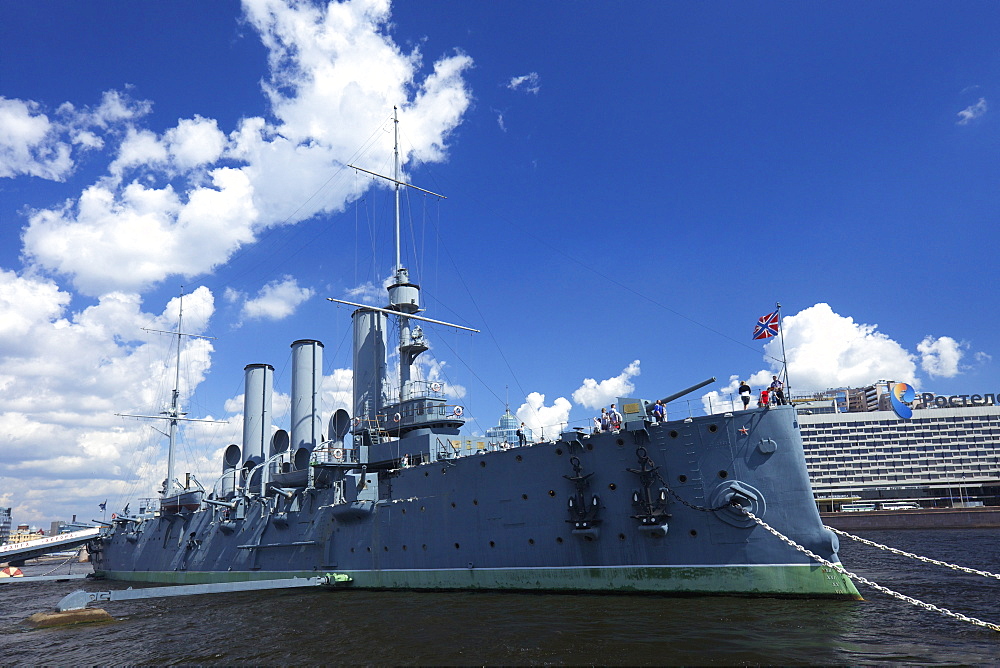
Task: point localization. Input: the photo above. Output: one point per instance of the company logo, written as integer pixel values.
(902, 392)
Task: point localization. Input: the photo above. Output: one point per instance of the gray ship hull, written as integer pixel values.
(644, 509)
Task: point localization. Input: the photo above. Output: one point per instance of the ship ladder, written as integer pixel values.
(874, 585)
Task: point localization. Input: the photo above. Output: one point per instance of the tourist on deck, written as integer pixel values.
(659, 412)
(777, 391)
(522, 440)
(764, 399)
(745, 392)
(615, 417)
(605, 420)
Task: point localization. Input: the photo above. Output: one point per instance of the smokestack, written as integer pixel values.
(257, 411)
(369, 363)
(307, 376)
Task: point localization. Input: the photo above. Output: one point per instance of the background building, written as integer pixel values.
(5, 515)
(506, 431)
(939, 457)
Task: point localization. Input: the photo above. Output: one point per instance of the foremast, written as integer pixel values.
(414, 404)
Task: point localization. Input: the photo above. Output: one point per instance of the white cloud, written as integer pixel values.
(544, 421)
(335, 75)
(531, 82)
(593, 394)
(940, 357)
(29, 143)
(972, 112)
(827, 350)
(723, 399)
(277, 300)
(65, 375)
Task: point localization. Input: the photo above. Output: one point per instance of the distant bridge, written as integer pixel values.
(17, 553)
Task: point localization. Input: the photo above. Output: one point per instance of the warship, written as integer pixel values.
(386, 497)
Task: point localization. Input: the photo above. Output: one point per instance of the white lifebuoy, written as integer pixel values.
(357, 421)
(338, 453)
(114, 515)
(396, 417)
(435, 387)
(459, 410)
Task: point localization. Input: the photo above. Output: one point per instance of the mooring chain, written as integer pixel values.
(854, 576)
(928, 560)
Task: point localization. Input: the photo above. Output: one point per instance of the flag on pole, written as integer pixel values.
(103, 506)
(767, 326)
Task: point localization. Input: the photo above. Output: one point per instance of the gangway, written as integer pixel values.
(17, 553)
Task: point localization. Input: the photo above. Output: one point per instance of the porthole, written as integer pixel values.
(713, 428)
(452, 504)
(519, 458)
(621, 536)
(558, 451)
(492, 544)
(682, 478)
(673, 433)
(723, 474)
(524, 496)
(386, 548)
(404, 548)
(424, 546)
(475, 502)
(369, 549)
(559, 539)
(404, 511)
(693, 532)
(426, 473)
(552, 492)
(456, 546)
(612, 486)
(531, 541)
(482, 464)
(590, 446)
(620, 441)
(443, 470)
(352, 549)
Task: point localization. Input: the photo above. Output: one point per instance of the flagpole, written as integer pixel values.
(784, 360)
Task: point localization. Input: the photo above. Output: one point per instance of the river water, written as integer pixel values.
(308, 626)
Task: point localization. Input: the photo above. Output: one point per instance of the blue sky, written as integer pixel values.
(630, 186)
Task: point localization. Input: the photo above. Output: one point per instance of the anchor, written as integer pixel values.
(651, 508)
(583, 513)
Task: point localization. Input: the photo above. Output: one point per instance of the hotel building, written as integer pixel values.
(942, 456)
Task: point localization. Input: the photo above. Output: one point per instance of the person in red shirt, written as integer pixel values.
(764, 399)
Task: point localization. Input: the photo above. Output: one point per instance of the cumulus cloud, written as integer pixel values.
(29, 143)
(530, 83)
(65, 375)
(825, 349)
(277, 300)
(593, 394)
(181, 202)
(544, 421)
(972, 112)
(34, 143)
(940, 357)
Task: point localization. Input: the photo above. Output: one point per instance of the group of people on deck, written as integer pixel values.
(772, 395)
(609, 420)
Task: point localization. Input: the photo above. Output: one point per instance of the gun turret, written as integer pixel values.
(678, 395)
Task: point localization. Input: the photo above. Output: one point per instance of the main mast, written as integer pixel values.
(175, 406)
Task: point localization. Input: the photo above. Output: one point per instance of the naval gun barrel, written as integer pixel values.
(223, 504)
(678, 395)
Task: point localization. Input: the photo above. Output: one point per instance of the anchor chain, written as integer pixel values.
(901, 553)
(644, 459)
(874, 585)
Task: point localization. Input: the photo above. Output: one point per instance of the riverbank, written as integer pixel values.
(925, 518)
